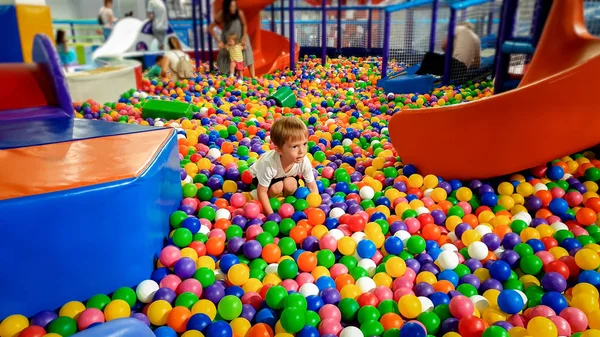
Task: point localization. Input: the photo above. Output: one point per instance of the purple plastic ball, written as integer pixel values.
(185, 268)
(43, 318)
(165, 294)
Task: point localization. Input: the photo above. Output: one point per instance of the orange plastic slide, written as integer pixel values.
(271, 50)
(548, 116)
(360, 2)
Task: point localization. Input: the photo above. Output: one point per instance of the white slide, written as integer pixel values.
(131, 36)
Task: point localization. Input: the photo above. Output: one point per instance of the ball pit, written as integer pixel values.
(380, 251)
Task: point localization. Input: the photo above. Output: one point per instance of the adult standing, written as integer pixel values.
(107, 17)
(232, 20)
(157, 13)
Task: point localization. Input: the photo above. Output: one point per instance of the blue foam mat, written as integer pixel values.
(71, 245)
(15, 134)
(122, 327)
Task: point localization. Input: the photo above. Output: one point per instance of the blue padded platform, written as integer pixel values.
(122, 327)
(406, 84)
(15, 134)
(73, 244)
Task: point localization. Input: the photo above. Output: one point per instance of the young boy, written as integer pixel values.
(156, 71)
(235, 54)
(277, 171)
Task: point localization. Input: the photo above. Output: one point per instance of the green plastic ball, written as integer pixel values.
(126, 294)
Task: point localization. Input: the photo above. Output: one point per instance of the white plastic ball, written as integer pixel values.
(159, 123)
(522, 216)
(452, 236)
(499, 251)
(308, 289)
(317, 80)
(180, 136)
(188, 180)
(366, 193)
(390, 95)
(271, 268)
(220, 275)
(567, 176)
(478, 250)
(223, 214)
(559, 226)
(204, 230)
(137, 94)
(144, 95)
(427, 192)
(447, 260)
(350, 89)
(523, 296)
(307, 110)
(422, 210)
(540, 187)
(203, 110)
(483, 230)
(212, 89)
(214, 153)
(254, 195)
(351, 331)
(480, 302)
(449, 247)
(145, 290)
(426, 304)
(346, 142)
(336, 233)
(365, 284)
(336, 212)
(403, 235)
(358, 236)
(368, 265)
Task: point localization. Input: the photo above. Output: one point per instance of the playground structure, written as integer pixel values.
(77, 251)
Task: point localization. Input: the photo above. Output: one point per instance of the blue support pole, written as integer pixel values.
(449, 48)
(507, 26)
(282, 18)
(210, 41)
(200, 19)
(386, 44)
(272, 17)
(339, 26)
(324, 31)
(195, 32)
(292, 38)
(370, 29)
(432, 32)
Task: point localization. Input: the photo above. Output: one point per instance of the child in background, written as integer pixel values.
(156, 71)
(62, 48)
(235, 54)
(278, 171)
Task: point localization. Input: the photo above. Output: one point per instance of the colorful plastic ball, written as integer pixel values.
(64, 326)
(510, 301)
(12, 325)
(292, 320)
(413, 329)
(219, 329)
(165, 331)
(117, 309)
(409, 306)
(461, 307)
(89, 317)
(32, 331)
(541, 327)
(230, 307)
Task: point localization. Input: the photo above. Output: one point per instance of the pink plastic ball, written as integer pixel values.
(465, 207)
(330, 326)
(190, 285)
(253, 299)
(251, 210)
(398, 293)
(545, 256)
(541, 310)
(327, 172)
(557, 192)
(410, 274)
(427, 201)
(286, 211)
(169, 255)
(517, 320)
(290, 285)
(170, 281)
(402, 282)
(217, 232)
(190, 202)
(364, 214)
(377, 257)
(553, 218)
(89, 317)
(564, 329)
(578, 231)
(576, 319)
(206, 223)
(383, 293)
(412, 225)
(461, 306)
(237, 200)
(328, 242)
(330, 311)
(573, 198)
(337, 270)
(253, 231)
(303, 278)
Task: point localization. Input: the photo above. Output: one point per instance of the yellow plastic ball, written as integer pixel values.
(319, 231)
(493, 314)
(314, 200)
(470, 236)
(518, 199)
(273, 279)
(594, 319)
(72, 309)
(482, 274)
(238, 274)
(204, 164)
(506, 188)
(189, 252)
(585, 303)
(585, 288)
(486, 217)
(252, 286)
(415, 181)
(464, 194)
(438, 194)
(430, 181)
(453, 221)
(229, 186)
(395, 267)
(427, 277)
(591, 333)
(451, 333)
(205, 262)
(587, 259)
(529, 233)
(409, 306)
(350, 291)
(203, 307)
(240, 326)
(347, 245)
(558, 252)
(506, 201)
(116, 309)
(525, 189)
(518, 331)
(12, 325)
(192, 333)
(320, 271)
(540, 326)
(382, 279)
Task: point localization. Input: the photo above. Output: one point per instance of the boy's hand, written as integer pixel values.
(244, 45)
(221, 45)
(263, 197)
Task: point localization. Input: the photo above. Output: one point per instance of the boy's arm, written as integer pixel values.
(312, 186)
(263, 197)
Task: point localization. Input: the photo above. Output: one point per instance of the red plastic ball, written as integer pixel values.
(471, 326)
(367, 299)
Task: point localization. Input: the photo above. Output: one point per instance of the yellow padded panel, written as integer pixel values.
(33, 20)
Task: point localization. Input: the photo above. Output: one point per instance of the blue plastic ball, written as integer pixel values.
(510, 301)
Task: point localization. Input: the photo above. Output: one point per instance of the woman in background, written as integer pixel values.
(107, 18)
(232, 21)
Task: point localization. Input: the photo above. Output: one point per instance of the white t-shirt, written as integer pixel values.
(268, 167)
(159, 11)
(467, 45)
(105, 14)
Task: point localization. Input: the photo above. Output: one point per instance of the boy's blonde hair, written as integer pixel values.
(468, 25)
(288, 129)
